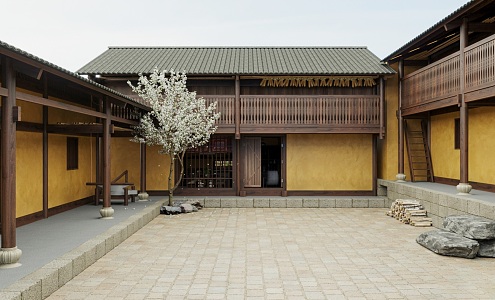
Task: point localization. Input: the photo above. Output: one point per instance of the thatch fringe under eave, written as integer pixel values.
(341, 81)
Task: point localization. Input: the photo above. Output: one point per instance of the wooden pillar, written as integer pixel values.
(463, 187)
(143, 168)
(237, 107)
(374, 163)
(9, 253)
(401, 176)
(107, 211)
(45, 148)
(382, 108)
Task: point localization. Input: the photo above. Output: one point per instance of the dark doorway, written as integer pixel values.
(271, 161)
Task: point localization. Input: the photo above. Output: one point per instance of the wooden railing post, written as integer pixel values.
(107, 211)
(237, 108)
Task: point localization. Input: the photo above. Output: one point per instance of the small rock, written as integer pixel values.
(186, 208)
(170, 210)
(487, 248)
(472, 227)
(448, 243)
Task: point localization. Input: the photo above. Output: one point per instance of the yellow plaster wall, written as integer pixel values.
(444, 157)
(29, 173)
(157, 169)
(329, 162)
(65, 186)
(125, 155)
(482, 145)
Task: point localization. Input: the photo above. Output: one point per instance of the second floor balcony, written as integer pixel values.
(438, 85)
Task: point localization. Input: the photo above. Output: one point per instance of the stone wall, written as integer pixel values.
(438, 204)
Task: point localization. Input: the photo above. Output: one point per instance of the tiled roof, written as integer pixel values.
(75, 76)
(238, 61)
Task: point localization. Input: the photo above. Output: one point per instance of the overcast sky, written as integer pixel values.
(72, 33)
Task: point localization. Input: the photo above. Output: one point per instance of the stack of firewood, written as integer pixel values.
(409, 212)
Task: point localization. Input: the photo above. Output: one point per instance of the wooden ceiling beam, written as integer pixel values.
(481, 27)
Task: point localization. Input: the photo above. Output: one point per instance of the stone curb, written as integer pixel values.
(43, 282)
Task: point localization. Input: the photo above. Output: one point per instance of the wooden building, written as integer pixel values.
(56, 131)
(294, 120)
(444, 93)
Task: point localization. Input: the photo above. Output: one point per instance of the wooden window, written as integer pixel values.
(457, 133)
(72, 153)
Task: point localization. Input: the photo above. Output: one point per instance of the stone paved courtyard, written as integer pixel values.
(269, 253)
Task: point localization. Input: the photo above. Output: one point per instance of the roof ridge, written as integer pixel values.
(237, 47)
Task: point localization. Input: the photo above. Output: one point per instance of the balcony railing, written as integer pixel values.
(438, 84)
(288, 112)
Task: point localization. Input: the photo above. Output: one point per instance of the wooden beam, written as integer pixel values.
(8, 156)
(374, 167)
(78, 129)
(382, 108)
(481, 27)
(29, 70)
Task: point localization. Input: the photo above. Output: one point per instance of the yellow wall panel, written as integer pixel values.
(69, 185)
(329, 162)
(29, 173)
(481, 145)
(444, 157)
(125, 155)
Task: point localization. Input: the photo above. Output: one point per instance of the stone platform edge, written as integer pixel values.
(290, 202)
(43, 282)
(439, 205)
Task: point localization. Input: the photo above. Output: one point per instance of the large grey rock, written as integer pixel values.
(487, 248)
(186, 208)
(448, 243)
(472, 227)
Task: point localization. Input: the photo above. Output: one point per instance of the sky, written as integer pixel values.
(72, 33)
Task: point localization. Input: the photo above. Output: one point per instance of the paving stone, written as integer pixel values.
(487, 210)
(447, 243)
(261, 202)
(228, 203)
(472, 227)
(310, 202)
(245, 203)
(474, 208)
(326, 203)
(343, 203)
(294, 203)
(212, 203)
(377, 203)
(278, 203)
(360, 203)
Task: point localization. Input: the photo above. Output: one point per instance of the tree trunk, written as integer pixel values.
(170, 182)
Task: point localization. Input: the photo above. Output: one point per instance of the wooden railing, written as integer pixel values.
(441, 80)
(225, 105)
(310, 110)
(480, 64)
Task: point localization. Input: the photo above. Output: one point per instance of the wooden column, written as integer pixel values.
(106, 211)
(374, 163)
(401, 176)
(237, 107)
(143, 168)
(45, 148)
(463, 186)
(9, 254)
(382, 108)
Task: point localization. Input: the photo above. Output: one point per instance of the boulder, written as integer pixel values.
(487, 248)
(448, 243)
(472, 227)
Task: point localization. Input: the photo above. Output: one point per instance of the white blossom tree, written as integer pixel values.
(177, 121)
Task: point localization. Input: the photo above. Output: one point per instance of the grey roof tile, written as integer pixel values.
(238, 61)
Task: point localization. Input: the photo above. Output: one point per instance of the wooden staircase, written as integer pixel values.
(418, 151)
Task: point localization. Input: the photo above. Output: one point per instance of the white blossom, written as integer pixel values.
(178, 120)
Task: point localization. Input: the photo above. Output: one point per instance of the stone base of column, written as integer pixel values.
(106, 213)
(143, 196)
(400, 177)
(463, 188)
(9, 257)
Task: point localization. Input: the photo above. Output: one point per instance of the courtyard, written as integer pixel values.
(272, 253)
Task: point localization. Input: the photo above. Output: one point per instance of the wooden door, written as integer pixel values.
(251, 157)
